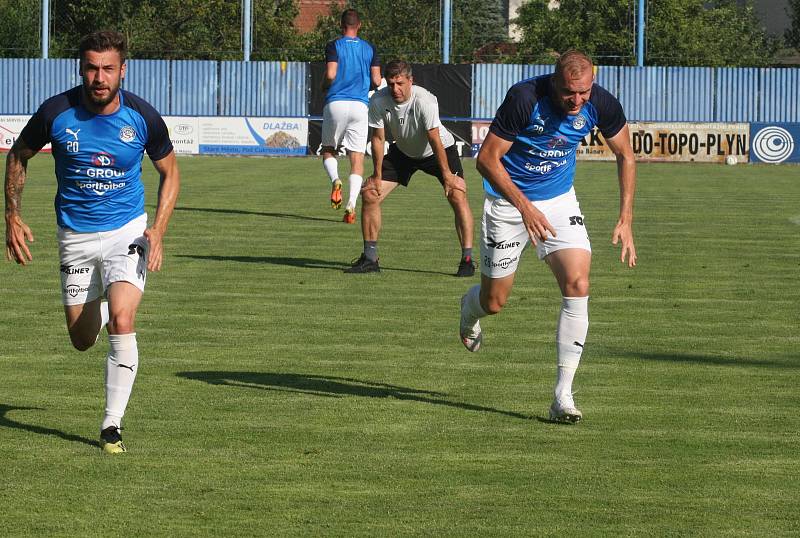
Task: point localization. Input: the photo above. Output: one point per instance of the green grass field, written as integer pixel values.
(280, 397)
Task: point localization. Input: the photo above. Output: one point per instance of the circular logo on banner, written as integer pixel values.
(773, 144)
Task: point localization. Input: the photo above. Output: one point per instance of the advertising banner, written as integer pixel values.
(479, 131)
(652, 141)
(184, 133)
(461, 133)
(253, 136)
(682, 142)
(775, 142)
(10, 127)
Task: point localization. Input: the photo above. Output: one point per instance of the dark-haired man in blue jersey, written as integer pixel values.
(99, 134)
(528, 165)
(351, 66)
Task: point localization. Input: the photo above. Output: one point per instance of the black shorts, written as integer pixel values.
(399, 167)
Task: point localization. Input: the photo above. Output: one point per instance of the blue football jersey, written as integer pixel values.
(541, 160)
(354, 57)
(98, 158)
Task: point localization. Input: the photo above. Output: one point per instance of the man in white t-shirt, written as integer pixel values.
(420, 142)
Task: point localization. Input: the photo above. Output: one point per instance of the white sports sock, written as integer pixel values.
(573, 324)
(355, 182)
(332, 167)
(103, 318)
(103, 314)
(122, 363)
(472, 304)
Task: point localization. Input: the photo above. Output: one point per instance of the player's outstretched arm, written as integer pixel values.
(17, 232)
(620, 144)
(490, 167)
(168, 190)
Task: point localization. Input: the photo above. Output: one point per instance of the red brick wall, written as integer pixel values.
(309, 11)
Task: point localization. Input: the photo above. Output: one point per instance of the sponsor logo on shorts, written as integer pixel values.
(491, 243)
(133, 248)
(73, 290)
(502, 264)
(127, 134)
(576, 220)
(70, 270)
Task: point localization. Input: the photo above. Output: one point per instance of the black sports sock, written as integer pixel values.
(371, 250)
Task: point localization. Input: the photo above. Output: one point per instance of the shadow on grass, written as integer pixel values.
(6, 422)
(308, 263)
(712, 360)
(335, 387)
(258, 213)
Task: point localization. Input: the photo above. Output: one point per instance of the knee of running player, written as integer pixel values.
(121, 321)
(81, 340)
(492, 301)
(575, 285)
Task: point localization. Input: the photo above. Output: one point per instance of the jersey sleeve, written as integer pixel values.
(376, 61)
(158, 144)
(514, 113)
(374, 116)
(611, 118)
(36, 133)
(331, 55)
(429, 111)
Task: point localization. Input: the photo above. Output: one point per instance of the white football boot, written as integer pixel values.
(563, 410)
(471, 335)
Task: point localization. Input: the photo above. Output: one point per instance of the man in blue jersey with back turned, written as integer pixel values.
(351, 65)
(99, 134)
(528, 165)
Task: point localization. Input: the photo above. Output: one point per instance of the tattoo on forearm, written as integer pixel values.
(15, 181)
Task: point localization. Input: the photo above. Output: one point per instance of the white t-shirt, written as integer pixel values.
(408, 123)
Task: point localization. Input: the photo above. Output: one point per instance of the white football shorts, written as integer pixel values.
(504, 237)
(344, 124)
(91, 262)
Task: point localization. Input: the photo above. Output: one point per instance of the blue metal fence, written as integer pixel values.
(194, 90)
(780, 95)
(173, 87)
(263, 89)
(49, 77)
(736, 94)
(150, 79)
(701, 94)
(14, 77)
(208, 88)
